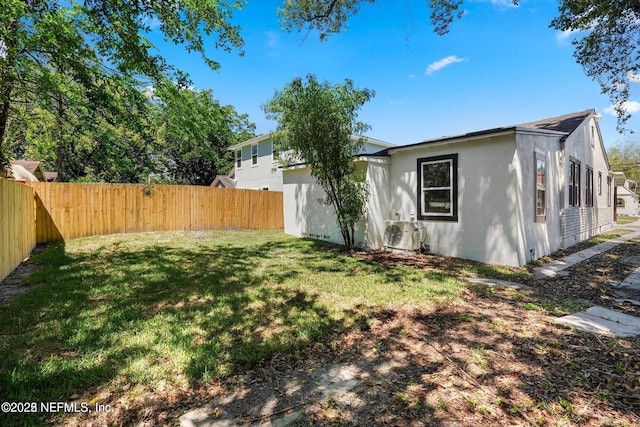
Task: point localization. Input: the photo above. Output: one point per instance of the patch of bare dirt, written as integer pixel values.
(594, 279)
(485, 360)
(13, 285)
(492, 358)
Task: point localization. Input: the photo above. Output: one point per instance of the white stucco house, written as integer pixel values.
(505, 196)
(257, 164)
(626, 197)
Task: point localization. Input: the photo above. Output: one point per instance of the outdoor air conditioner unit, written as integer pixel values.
(403, 235)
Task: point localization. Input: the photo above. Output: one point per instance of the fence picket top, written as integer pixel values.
(69, 210)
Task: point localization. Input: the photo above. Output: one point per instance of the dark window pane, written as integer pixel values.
(540, 203)
(541, 172)
(436, 174)
(437, 201)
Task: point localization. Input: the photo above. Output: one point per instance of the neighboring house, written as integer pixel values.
(626, 197)
(20, 173)
(51, 176)
(505, 196)
(225, 181)
(258, 167)
(34, 169)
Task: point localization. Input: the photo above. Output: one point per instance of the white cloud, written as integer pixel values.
(563, 37)
(149, 92)
(630, 107)
(635, 78)
(440, 64)
(501, 3)
(153, 23)
(397, 102)
(273, 38)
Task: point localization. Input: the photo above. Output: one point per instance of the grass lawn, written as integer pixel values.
(625, 219)
(126, 314)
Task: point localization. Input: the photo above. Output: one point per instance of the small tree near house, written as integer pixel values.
(315, 123)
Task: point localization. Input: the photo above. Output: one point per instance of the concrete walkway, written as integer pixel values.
(599, 319)
(556, 268)
(596, 319)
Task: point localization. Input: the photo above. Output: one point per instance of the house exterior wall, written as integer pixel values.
(628, 204)
(378, 202)
(488, 228)
(265, 174)
(307, 212)
(540, 236)
(581, 222)
(497, 185)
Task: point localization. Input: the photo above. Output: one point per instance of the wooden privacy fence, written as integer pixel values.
(17, 225)
(68, 211)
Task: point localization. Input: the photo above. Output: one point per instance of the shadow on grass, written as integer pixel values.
(137, 316)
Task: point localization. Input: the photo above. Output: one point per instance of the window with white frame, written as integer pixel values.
(541, 188)
(438, 188)
(574, 183)
(608, 191)
(238, 159)
(254, 154)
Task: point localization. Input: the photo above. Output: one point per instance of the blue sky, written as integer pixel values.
(499, 65)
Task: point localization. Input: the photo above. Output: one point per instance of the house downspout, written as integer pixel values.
(615, 203)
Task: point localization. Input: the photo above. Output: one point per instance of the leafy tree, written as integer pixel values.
(609, 50)
(105, 142)
(316, 121)
(90, 40)
(194, 132)
(625, 157)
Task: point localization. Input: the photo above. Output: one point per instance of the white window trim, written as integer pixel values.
(256, 156)
(238, 166)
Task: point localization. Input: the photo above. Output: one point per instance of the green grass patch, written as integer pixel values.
(625, 219)
(143, 311)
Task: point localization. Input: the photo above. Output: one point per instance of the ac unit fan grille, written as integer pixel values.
(393, 235)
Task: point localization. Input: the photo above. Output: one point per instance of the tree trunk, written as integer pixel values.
(6, 84)
(5, 96)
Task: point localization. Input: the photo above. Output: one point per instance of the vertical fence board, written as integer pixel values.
(17, 224)
(66, 211)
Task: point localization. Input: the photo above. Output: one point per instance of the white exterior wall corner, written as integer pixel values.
(306, 211)
(540, 238)
(580, 223)
(488, 227)
(378, 202)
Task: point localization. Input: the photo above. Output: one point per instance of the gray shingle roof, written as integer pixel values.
(565, 123)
